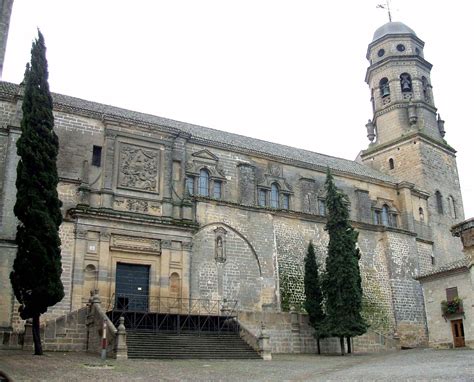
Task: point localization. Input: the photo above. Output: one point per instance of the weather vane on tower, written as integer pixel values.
(387, 7)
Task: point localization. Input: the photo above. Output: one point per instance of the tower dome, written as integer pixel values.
(391, 28)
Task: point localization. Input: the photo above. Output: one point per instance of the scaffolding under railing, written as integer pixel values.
(175, 315)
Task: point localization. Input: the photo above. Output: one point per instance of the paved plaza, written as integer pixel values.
(407, 365)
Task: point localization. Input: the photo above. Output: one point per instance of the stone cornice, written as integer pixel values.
(408, 136)
(130, 217)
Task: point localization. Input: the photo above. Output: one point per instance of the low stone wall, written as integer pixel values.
(11, 340)
(291, 333)
(80, 330)
(66, 333)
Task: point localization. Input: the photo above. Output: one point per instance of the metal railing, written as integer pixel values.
(174, 314)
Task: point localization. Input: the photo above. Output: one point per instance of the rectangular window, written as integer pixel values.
(96, 156)
(285, 201)
(262, 198)
(451, 293)
(217, 190)
(190, 185)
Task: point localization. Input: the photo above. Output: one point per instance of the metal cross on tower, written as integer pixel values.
(387, 7)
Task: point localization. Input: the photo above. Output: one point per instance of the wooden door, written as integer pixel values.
(458, 333)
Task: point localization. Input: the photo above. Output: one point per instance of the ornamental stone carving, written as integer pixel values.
(137, 205)
(138, 168)
(135, 244)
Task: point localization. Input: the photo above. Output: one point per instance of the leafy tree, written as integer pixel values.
(36, 275)
(314, 297)
(342, 284)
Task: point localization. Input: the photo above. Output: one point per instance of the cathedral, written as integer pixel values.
(155, 209)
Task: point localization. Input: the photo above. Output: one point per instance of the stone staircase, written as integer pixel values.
(151, 345)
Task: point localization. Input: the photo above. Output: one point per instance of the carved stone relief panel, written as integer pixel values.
(135, 244)
(137, 205)
(138, 168)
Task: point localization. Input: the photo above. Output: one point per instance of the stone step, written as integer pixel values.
(151, 345)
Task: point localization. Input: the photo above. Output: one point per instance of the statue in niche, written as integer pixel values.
(220, 257)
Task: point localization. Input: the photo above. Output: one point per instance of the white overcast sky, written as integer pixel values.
(290, 72)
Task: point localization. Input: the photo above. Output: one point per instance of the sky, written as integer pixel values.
(290, 72)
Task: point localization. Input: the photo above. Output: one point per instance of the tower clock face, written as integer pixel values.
(401, 47)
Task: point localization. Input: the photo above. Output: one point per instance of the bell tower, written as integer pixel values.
(406, 134)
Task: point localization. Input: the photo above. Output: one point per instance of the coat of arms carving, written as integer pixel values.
(138, 168)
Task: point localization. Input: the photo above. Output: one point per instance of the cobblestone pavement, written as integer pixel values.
(407, 365)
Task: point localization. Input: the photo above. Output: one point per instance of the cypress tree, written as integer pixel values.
(342, 284)
(36, 275)
(314, 297)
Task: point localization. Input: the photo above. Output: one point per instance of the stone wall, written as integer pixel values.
(291, 333)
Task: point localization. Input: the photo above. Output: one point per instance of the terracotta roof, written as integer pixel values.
(460, 264)
(206, 134)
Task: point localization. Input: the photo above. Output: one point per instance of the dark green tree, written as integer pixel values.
(36, 275)
(342, 284)
(314, 297)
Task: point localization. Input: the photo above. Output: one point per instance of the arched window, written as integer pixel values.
(421, 215)
(391, 164)
(384, 87)
(452, 207)
(274, 196)
(405, 82)
(439, 202)
(385, 215)
(203, 183)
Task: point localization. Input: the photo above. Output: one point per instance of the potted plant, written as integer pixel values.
(453, 306)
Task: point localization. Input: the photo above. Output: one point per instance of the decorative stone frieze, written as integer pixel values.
(135, 244)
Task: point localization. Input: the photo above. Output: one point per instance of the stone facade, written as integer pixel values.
(214, 215)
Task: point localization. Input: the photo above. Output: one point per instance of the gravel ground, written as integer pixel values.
(407, 365)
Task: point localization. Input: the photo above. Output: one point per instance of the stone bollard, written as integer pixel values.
(121, 350)
(264, 344)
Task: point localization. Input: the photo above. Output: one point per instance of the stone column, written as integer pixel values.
(406, 205)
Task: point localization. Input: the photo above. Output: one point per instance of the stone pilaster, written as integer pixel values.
(110, 144)
(165, 268)
(80, 237)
